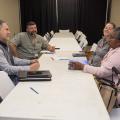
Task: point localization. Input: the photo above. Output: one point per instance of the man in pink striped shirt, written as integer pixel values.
(111, 59)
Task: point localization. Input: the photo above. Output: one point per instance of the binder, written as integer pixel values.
(43, 75)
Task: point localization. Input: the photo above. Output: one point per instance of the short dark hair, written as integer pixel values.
(30, 23)
(116, 33)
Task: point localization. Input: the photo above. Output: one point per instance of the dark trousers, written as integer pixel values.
(14, 78)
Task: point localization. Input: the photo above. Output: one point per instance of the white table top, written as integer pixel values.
(65, 41)
(63, 35)
(71, 95)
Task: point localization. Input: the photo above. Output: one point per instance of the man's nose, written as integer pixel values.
(9, 32)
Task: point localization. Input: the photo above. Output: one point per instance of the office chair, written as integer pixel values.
(83, 41)
(78, 34)
(52, 33)
(47, 36)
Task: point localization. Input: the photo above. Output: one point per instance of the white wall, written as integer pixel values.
(115, 12)
(9, 12)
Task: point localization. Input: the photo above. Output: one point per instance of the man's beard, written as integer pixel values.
(33, 34)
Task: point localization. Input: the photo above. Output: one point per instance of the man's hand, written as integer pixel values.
(34, 66)
(76, 66)
(34, 61)
(51, 48)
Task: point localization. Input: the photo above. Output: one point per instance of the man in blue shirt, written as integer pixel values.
(8, 63)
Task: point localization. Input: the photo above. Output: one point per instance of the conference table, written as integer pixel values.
(65, 42)
(64, 35)
(70, 95)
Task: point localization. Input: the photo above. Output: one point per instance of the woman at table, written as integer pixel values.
(102, 45)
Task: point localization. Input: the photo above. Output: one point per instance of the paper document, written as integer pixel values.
(82, 60)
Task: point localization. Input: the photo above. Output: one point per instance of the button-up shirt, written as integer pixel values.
(112, 58)
(27, 46)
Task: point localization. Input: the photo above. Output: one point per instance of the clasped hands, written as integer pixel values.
(34, 65)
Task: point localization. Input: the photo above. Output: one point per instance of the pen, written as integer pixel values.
(34, 90)
(57, 48)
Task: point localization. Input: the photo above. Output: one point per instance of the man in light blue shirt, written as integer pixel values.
(8, 63)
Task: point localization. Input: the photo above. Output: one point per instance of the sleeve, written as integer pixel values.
(44, 43)
(16, 39)
(10, 69)
(22, 62)
(106, 68)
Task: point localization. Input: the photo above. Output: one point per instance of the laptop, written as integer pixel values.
(42, 75)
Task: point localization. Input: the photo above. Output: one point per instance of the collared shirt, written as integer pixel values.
(27, 46)
(112, 58)
(100, 52)
(7, 65)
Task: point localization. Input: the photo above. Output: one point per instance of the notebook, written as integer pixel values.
(43, 75)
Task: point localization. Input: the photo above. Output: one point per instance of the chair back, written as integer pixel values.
(83, 44)
(52, 32)
(83, 41)
(47, 36)
(93, 48)
(78, 34)
(6, 84)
